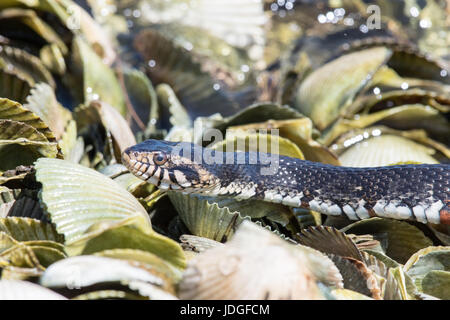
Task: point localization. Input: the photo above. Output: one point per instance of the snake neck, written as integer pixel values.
(409, 192)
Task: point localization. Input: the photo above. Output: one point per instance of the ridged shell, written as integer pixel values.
(205, 219)
(255, 264)
(85, 271)
(399, 238)
(385, 150)
(330, 241)
(23, 290)
(328, 90)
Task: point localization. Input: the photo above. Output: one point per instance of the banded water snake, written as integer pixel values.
(408, 192)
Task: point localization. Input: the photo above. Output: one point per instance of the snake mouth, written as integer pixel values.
(143, 166)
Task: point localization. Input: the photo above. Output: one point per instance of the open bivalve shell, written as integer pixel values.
(257, 264)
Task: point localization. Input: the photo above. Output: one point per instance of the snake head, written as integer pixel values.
(169, 165)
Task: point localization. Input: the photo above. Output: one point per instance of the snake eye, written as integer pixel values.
(160, 159)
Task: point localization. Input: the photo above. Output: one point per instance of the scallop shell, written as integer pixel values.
(430, 270)
(327, 91)
(385, 150)
(330, 241)
(205, 219)
(357, 276)
(198, 244)
(399, 238)
(23, 290)
(255, 264)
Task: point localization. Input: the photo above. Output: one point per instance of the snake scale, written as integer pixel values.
(407, 192)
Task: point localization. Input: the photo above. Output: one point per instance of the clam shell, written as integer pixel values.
(30, 254)
(436, 283)
(404, 56)
(42, 102)
(107, 294)
(90, 271)
(346, 294)
(205, 219)
(419, 136)
(217, 219)
(328, 90)
(299, 131)
(27, 65)
(31, 19)
(330, 241)
(400, 238)
(238, 22)
(196, 89)
(198, 244)
(26, 229)
(144, 257)
(52, 58)
(255, 264)
(115, 123)
(430, 270)
(106, 200)
(99, 80)
(120, 174)
(23, 290)
(11, 110)
(72, 147)
(227, 59)
(442, 232)
(13, 86)
(98, 217)
(142, 96)
(259, 142)
(179, 116)
(259, 112)
(151, 291)
(16, 273)
(385, 150)
(404, 117)
(396, 285)
(357, 276)
(30, 243)
(22, 144)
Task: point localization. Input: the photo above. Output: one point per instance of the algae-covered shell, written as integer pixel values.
(327, 91)
(430, 270)
(206, 219)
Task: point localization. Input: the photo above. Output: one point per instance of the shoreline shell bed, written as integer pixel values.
(80, 81)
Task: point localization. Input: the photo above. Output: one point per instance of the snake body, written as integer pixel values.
(407, 192)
